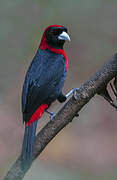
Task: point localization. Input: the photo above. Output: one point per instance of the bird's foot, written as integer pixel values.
(52, 114)
(74, 92)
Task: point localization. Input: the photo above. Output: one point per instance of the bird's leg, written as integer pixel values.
(62, 98)
(74, 92)
(52, 114)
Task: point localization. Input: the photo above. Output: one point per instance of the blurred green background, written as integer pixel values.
(87, 147)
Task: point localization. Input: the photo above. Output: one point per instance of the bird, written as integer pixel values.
(43, 84)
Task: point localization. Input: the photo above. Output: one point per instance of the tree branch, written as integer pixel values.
(97, 82)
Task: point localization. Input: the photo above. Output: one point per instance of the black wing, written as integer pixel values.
(42, 85)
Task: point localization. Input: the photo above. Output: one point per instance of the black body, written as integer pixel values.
(43, 83)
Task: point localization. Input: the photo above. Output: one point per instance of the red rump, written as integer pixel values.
(37, 114)
(44, 45)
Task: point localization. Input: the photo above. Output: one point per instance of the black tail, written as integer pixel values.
(28, 143)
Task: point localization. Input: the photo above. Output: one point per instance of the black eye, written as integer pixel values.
(56, 32)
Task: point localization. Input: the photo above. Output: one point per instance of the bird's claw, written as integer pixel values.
(74, 92)
(52, 116)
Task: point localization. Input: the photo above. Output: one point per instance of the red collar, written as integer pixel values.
(44, 45)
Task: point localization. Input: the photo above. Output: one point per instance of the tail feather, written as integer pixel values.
(28, 143)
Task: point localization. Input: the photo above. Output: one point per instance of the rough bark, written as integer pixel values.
(97, 82)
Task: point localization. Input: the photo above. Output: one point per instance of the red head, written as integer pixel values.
(54, 38)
